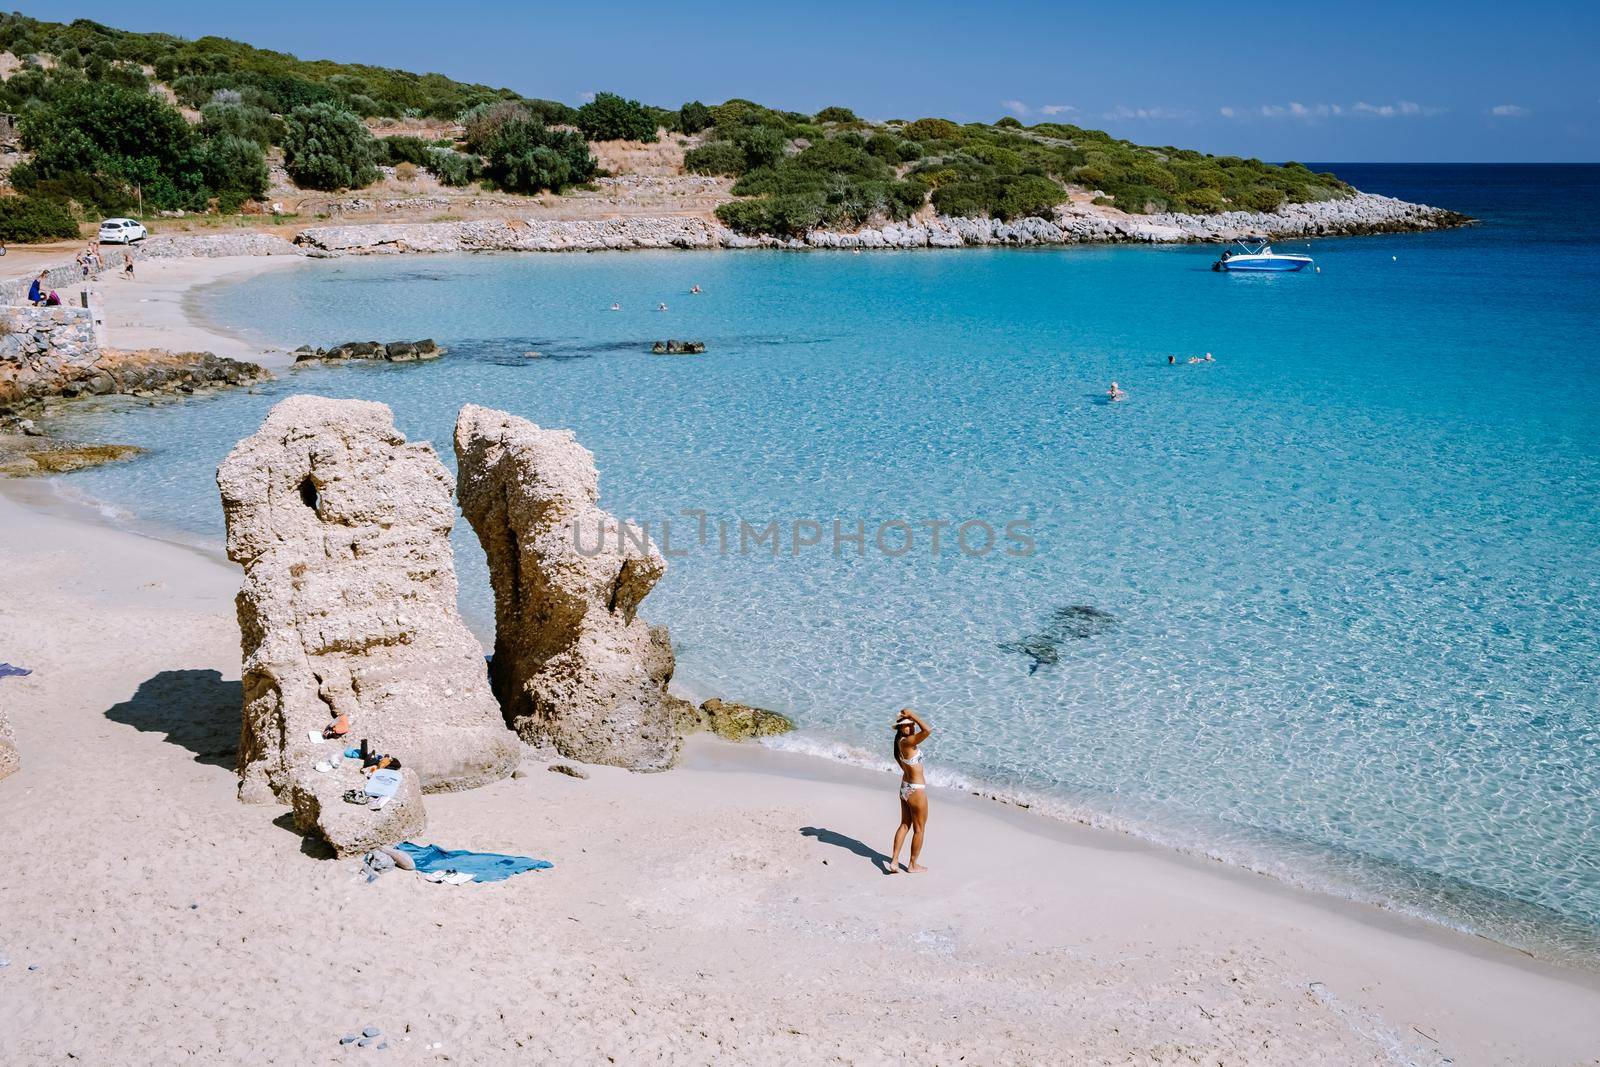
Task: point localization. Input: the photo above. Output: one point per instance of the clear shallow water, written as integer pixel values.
(1352, 566)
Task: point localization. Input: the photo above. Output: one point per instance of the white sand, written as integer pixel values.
(690, 917)
(157, 309)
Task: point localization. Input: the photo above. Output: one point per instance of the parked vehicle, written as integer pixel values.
(122, 231)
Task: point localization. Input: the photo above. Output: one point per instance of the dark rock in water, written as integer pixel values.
(1080, 622)
(1041, 648)
(678, 348)
(1075, 622)
(392, 352)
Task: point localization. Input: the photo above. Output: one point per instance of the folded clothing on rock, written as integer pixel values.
(483, 866)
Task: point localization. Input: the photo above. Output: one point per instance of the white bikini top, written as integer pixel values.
(913, 759)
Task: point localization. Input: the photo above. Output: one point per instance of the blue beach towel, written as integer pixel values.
(483, 866)
(7, 670)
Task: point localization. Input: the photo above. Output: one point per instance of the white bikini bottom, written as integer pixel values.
(907, 787)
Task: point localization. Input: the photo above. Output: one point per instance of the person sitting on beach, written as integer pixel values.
(1115, 392)
(909, 732)
(36, 288)
(127, 265)
(52, 300)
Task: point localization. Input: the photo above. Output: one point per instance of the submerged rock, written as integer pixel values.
(25, 456)
(741, 722)
(573, 664)
(321, 810)
(348, 609)
(1074, 622)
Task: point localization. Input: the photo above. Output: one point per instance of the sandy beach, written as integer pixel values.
(730, 909)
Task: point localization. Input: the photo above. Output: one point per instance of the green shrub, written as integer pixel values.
(694, 117)
(453, 168)
(525, 156)
(762, 146)
(402, 149)
(26, 219)
(234, 167)
(715, 157)
(609, 117)
(484, 121)
(836, 114)
(326, 148)
(1009, 123)
(931, 130)
(226, 118)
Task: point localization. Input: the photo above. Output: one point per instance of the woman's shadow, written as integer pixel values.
(849, 844)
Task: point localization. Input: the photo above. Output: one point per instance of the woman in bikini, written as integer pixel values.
(909, 732)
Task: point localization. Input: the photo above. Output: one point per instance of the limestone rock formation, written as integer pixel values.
(349, 602)
(10, 759)
(351, 829)
(574, 666)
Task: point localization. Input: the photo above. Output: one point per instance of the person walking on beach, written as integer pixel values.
(909, 733)
(127, 264)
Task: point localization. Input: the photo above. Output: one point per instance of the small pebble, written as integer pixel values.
(371, 1031)
(364, 1042)
(192, 907)
(383, 1046)
(33, 966)
(347, 1039)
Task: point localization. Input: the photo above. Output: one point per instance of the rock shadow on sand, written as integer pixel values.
(849, 844)
(195, 709)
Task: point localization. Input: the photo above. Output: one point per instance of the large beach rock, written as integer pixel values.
(573, 664)
(349, 602)
(320, 810)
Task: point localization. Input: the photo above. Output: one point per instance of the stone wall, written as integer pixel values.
(43, 348)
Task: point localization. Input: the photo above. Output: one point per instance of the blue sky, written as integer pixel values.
(1417, 81)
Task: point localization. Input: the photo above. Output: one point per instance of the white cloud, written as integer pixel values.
(1056, 109)
(587, 98)
(1015, 105)
(1404, 109)
(1122, 111)
(1510, 111)
(1297, 111)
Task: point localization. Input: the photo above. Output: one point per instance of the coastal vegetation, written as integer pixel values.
(117, 121)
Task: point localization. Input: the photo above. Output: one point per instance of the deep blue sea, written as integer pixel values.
(1324, 607)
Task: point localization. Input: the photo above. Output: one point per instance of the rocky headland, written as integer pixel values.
(1362, 213)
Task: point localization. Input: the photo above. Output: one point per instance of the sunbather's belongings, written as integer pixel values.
(481, 866)
(338, 727)
(357, 796)
(8, 671)
(384, 783)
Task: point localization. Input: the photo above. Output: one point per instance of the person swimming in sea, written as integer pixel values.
(1115, 392)
(909, 733)
(616, 307)
(661, 307)
(1171, 360)
(694, 289)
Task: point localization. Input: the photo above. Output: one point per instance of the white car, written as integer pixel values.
(122, 232)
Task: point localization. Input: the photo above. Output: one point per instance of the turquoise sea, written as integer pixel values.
(1324, 607)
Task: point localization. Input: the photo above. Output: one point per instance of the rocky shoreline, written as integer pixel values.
(1363, 213)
